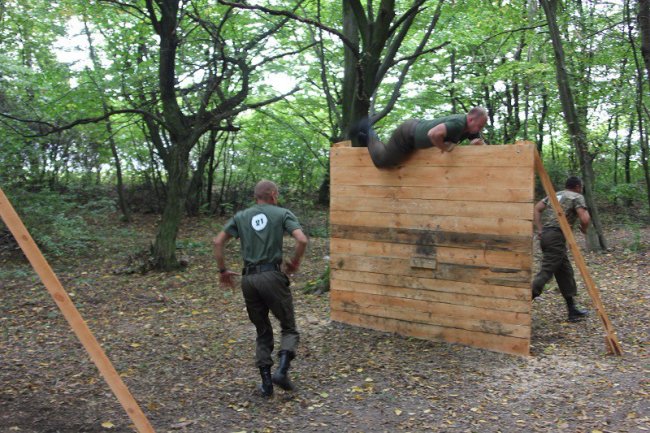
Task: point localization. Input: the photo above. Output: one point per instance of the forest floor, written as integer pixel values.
(185, 348)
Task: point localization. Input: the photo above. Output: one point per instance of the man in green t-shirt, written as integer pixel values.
(443, 133)
(555, 261)
(265, 286)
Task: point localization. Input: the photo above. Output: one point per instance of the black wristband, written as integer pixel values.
(221, 271)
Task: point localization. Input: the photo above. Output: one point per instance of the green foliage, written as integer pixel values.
(623, 193)
(557, 171)
(17, 273)
(194, 247)
(319, 285)
(635, 244)
(56, 221)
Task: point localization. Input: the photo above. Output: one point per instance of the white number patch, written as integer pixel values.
(259, 221)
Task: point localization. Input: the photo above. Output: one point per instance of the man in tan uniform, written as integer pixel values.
(555, 261)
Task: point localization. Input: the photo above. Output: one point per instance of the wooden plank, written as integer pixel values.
(459, 208)
(448, 223)
(511, 311)
(433, 238)
(477, 274)
(486, 193)
(498, 343)
(465, 256)
(476, 257)
(465, 156)
(440, 177)
(408, 310)
(610, 337)
(460, 287)
(72, 315)
(384, 249)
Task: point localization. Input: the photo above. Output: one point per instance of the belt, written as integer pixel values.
(551, 229)
(264, 267)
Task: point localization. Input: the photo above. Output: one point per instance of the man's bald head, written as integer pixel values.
(266, 191)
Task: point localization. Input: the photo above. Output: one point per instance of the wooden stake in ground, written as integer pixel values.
(79, 326)
(613, 345)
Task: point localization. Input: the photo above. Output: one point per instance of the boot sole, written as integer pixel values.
(289, 387)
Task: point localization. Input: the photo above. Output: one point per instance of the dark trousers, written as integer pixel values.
(398, 148)
(264, 292)
(555, 262)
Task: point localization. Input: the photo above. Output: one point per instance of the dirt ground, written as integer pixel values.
(185, 349)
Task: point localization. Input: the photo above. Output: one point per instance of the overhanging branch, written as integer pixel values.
(53, 128)
(293, 16)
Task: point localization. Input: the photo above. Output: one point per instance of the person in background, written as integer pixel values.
(555, 261)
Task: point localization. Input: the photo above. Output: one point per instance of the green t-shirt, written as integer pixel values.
(455, 124)
(260, 229)
(570, 201)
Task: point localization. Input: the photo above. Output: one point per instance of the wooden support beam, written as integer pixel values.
(72, 315)
(613, 345)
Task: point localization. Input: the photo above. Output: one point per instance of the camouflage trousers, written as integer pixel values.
(264, 292)
(555, 262)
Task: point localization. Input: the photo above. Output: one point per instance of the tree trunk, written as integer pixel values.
(542, 121)
(124, 207)
(596, 241)
(195, 190)
(212, 168)
(373, 39)
(164, 247)
(617, 150)
(350, 60)
(644, 26)
(628, 152)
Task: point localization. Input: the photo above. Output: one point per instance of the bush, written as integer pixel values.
(623, 194)
(54, 220)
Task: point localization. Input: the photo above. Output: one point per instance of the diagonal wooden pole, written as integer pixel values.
(72, 315)
(613, 345)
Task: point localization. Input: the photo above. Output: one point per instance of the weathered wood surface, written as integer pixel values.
(448, 223)
(474, 156)
(476, 193)
(424, 237)
(438, 248)
(484, 340)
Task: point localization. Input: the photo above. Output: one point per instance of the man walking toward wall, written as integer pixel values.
(555, 261)
(265, 286)
(443, 133)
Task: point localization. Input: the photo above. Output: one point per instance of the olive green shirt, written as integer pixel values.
(455, 125)
(570, 202)
(260, 230)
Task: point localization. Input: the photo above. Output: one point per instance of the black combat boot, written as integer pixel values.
(281, 375)
(266, 388)
(575, 314)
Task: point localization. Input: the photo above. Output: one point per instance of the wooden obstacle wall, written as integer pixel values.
(438, 248)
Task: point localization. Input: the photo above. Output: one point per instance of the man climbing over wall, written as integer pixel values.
(555, 261)
(443, 133)
(265, 286)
